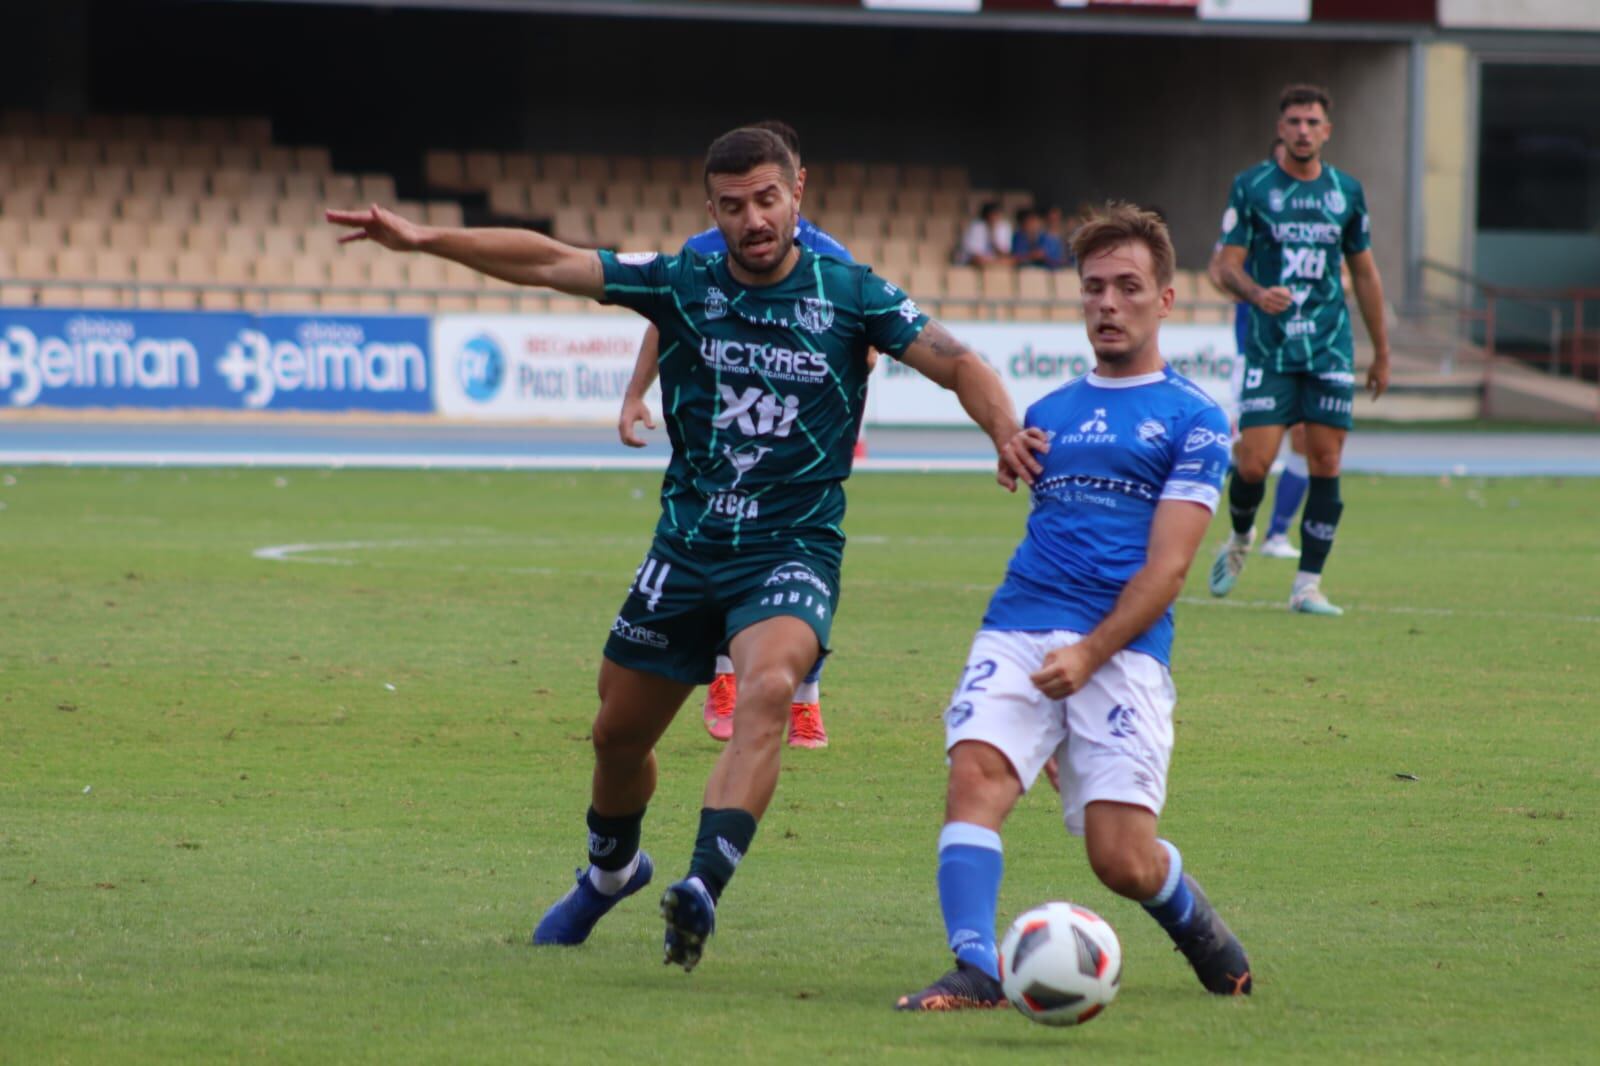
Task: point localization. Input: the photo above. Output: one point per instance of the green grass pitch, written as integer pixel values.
(308, 809)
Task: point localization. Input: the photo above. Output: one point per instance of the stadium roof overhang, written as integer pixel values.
(847, 13)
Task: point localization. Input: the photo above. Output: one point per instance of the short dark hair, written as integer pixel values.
(1296, 95)
(988, 208)
(785, 132)
(742, 150)
(1119, 223)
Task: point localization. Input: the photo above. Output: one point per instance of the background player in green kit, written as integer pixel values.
(1286, 230)
(763, 368)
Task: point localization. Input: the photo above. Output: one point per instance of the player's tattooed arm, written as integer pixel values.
(1227, 267)
(519, 256)
(942, 359)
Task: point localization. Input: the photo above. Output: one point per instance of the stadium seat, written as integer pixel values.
(1035, 293)
(574, 226)
(87, 233)
(377, 189)
(275, 158)
(313, 159)
(479, 170)
(443, 170)
(667, 170)
(962, 286)
(519, 166)
(593, 169)
(47, 233)
(558, 166)
(238, 157)
(441, 213)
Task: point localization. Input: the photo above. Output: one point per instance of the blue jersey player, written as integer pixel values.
(1069, 671)
(764, 364)
(805, 710)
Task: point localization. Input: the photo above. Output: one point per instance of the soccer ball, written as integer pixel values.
(1060, 964)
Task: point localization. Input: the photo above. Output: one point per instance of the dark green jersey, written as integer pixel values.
(762, 388)
(1296, 234)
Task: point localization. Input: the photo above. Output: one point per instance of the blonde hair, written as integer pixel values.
(1117, 223)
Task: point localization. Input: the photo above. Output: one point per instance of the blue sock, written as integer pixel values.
(1291, 490)
(816, 671)
(970, 865)
(1173, 906)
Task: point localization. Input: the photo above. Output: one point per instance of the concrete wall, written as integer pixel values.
(1520, 14)
(1449, 163)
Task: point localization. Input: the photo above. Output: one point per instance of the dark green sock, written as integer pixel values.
(1319, 522)
(1244, 498)
(613, 841)
(724, 837)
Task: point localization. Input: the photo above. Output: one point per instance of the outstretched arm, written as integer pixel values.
(945, 361)
(1175, 535)
(519, 256)
(634, 409)
(1369, 297)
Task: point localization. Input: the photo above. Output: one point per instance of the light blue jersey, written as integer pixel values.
(1117, 447)
(711, 242)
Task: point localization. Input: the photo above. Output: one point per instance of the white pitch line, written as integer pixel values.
(427, 461)
(295, 553)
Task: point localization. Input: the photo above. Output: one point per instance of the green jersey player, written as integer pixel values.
(1288, 227)
(763, 373)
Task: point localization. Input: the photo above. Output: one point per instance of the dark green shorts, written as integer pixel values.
(684, 607)
(1283, 398)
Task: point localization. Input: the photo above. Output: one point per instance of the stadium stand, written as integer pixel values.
(173, 212)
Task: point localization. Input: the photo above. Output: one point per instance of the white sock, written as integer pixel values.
(724, 665)
(610, 882)
(1305, 580)
(808, 692)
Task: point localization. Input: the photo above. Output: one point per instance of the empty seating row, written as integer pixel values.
(281, 158)
(220, 129)
(478, 171)
(29, 184)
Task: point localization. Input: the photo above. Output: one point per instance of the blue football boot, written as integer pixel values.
(572, 917)
(691, 916)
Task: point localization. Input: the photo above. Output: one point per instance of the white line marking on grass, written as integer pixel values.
(427, 461)
(305, 553)
(1435, 612)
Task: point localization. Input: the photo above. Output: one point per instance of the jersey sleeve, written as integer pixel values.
(1200, 459)
(892, 318)
(1357, 235)
(1236, 225)
(824, 243)
(639, 281)
(706, 242)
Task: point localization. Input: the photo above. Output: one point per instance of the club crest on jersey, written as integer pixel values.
(814, 314)
(1094, 430)
(1275, 200)
(1335, 201)
(716, 303)
(1152, 430)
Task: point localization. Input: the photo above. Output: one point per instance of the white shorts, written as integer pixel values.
(1112, 740)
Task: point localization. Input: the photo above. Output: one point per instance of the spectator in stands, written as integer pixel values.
(1033, 246)
(988, 238)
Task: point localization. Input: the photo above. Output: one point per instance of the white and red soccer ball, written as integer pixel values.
(1060, 964)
